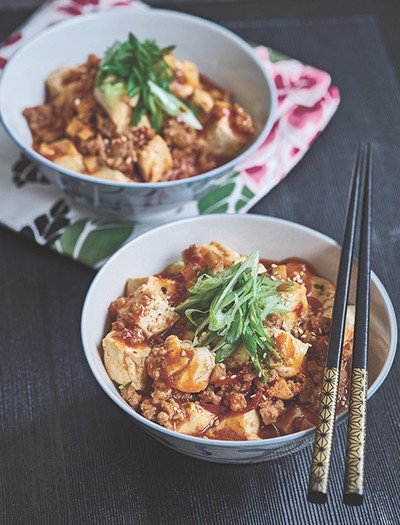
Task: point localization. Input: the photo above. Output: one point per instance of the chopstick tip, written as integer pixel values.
(353, 499)
(314, 496)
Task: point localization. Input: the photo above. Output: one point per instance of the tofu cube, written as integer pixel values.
(223, 139)
(110, 174)
(147, 308)
(54, 82)
(244, 426)
(63, 153)
(295, 300)
(185, 368)
(279, 271)
(324, 291)
(203, 100)
(350, 319)
(188, 78)
(125, 363)
(119, 111)
(292, 350)
(239, 358)
(197, 419)
(155, 160)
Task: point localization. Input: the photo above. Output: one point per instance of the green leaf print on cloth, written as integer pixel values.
(231, 197)
(276, 56)
(91, 241)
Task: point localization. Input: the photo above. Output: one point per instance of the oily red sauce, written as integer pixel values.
(127, 336)
(292, 264)
(297, 268)
(314, 304)
(179, 329)
(268, 431)
(218, 410)
(180, 288)
(297, 417)
(233, 375)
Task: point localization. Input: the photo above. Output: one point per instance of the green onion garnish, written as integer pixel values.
(139, 69)
(229, 309)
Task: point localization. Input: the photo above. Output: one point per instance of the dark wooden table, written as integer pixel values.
(68, 454)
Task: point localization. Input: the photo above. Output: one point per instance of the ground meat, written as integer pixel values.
(45, 123)
(210, 396)
(86, 107)
(191, 161)
(283, 389)
(190, 154)
(92, 147)
(155, 362)
(271, 410)
(121, 152)
(131, 396)
(170, 414)
(161, 406)
(242, 121)
(83, 77)
(105, 125)
(309, 395)
(237, 401)
(71, 110)
(178, 135)
(311, 329)
(149, 411)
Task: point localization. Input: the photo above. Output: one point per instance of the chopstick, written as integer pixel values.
(321, 456)
(356, 432)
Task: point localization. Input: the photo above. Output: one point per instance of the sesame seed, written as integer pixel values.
(234, 376)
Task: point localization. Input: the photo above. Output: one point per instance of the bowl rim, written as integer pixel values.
(229, 35)
(277, 441)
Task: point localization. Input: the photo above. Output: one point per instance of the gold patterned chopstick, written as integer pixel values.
(321, 456)
(355, 451)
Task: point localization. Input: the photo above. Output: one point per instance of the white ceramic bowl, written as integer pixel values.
(219, 54)
(275, 239)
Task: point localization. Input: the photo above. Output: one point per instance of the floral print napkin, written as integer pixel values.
(37, 209)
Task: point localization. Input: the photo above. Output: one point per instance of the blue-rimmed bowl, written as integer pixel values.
(276, 239)
(219, 54)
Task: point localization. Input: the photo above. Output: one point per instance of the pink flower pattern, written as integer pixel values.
(306, 103)
(306, 98)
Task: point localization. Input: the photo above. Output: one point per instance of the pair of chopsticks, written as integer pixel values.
(360, 190)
